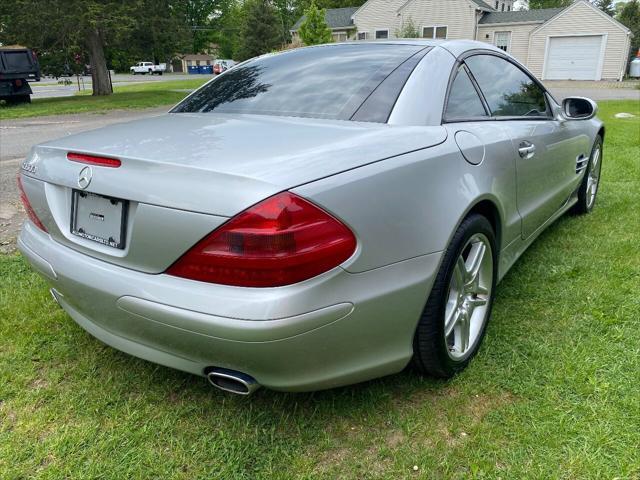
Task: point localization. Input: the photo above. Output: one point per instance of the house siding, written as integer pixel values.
(581, 19)
(458, 15)
(378, 15)
(519, 47)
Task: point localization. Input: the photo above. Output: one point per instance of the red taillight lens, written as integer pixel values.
(94, 160)
(281, 240)
(28, 208)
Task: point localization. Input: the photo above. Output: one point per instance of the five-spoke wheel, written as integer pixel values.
(455, 318)
(469, 291)
(588, 190)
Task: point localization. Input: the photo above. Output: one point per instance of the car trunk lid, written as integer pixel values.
(185, 174)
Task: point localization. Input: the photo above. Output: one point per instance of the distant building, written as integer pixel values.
(182, 63)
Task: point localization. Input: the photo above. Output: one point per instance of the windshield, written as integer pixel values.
(320, 82)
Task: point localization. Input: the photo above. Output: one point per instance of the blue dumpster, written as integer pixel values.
(193, 69)
(206, 69)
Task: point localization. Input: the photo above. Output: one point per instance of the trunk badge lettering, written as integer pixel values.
(84, 178)
(29, 167)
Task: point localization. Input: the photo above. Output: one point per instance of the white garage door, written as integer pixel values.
(574, 58)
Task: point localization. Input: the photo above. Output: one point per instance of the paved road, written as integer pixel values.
(49, 87)
(596, 94)
(17, 137)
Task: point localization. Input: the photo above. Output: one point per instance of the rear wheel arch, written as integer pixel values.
(488, 209)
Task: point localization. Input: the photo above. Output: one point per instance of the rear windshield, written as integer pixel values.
(320, 82)
(18, 60)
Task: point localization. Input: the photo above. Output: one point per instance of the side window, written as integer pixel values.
(508, 90)
(463, 101)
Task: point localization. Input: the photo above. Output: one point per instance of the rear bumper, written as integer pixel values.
(335, 329)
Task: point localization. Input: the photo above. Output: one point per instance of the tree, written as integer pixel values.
(408, 30)
(57, 25)
(606, 6)
(535, 4)
(260, 31)
(301, 5)
(314, 29)
(228, 33)
(630, 17)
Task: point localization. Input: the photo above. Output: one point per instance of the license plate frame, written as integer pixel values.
(87, 207)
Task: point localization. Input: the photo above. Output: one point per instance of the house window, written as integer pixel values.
(508, 8)
(362, 35)
(436, 31)
(382, 34)
(189, 63)
(503, 7)
(502, 40)
(340, 37)
(497, 5)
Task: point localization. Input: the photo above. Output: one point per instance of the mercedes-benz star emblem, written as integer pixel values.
(84, 177)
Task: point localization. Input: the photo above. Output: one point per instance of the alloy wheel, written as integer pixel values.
(593, 178)
(469, 297)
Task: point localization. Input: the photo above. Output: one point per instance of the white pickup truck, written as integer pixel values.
(148, 67)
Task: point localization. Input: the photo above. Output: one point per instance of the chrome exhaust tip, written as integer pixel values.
(232, 381)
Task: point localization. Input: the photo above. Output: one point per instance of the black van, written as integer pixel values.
(18, 66)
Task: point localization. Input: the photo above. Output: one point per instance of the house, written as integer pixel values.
(183, 62)
(578, 42)
(339, 21)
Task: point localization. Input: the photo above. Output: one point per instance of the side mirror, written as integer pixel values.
(579, 108)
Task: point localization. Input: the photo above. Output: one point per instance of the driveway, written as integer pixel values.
(595, 90)
(17, 137)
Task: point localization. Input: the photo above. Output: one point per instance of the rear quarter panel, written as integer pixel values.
(411, 205)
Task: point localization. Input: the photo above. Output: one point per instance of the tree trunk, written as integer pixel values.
(99, 72)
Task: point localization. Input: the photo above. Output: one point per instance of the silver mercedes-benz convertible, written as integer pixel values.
(313, 218)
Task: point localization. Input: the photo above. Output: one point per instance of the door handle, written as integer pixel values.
(527, 149)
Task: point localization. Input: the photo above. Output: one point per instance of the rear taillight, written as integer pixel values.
(281, 240)
(28, 208)
(94, 160)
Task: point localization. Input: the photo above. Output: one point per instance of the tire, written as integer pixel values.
(17, 99)
(588, 190)
(460, 295)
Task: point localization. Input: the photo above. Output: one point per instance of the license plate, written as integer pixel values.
(99, 219)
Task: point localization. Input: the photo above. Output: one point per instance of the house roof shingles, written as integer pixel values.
(335, 18)
(537, 15)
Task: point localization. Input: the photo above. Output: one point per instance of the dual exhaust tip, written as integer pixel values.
(233, 382)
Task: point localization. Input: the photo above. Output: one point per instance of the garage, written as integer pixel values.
(575, 57)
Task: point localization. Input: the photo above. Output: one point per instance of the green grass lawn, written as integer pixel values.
(553, 394)
(141, 95)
